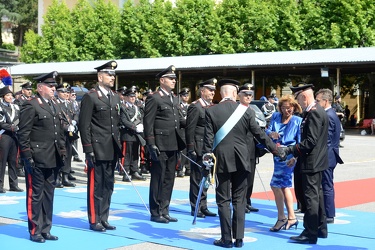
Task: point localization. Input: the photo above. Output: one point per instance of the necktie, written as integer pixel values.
(51, 107)
(109, 97)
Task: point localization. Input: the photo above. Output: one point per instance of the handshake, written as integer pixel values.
(283, 152)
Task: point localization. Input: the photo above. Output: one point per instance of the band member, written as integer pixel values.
(131, 135)
(183, 162)
(161, 129)
(98, 127)
(42, 146)
(9, 119)
(194, 141)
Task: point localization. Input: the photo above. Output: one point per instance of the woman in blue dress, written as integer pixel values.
(284, 129)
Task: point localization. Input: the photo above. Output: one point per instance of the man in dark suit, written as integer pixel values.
(313, 157)
(161, 130)
(194, 141)
(99, 130)
(131, 132)
(228, 124)
(324, 98)
(42, 146)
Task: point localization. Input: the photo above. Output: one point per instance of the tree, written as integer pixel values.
(28, 16)
(196, 23)
(8, 11)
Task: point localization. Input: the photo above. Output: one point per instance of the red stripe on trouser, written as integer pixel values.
(123, 153)
(91, 172)
(29, 203)
(142, 155)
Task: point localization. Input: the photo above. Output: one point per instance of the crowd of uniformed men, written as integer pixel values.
(161, 135)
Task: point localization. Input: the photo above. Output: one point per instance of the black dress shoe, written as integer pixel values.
(180, 173)
(71, 177)
(108, 226)
(169, 218)
(48, 236)
(251, 208)
(208, 212)
(37, 238)
(20, 173)
(137, 177)
(159, 219)
(303, 239)
(125, 178)
(97, 227)
(330, 220)
(199, 214)
(77, 159)
(16, 189)
(322, 234)
(223, 243)
(72, 171)
(238, 243)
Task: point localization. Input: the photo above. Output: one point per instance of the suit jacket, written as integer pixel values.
(313, 146)
(195, 124)
(41, 135)
(99, 124)
(232, 153)
(334, 129)
(162, 122)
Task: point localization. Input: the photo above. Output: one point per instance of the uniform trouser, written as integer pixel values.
(68, 160)
(8, 153)
(250, 181)
(298, 190)
(39, 200)
(232, 188)
(195, 180)
(100, 183)
(314, 219)
(329, 192)
(162, 182)
(131, 151)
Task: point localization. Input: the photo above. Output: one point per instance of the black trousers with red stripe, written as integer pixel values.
(39, 200)
(100, 183)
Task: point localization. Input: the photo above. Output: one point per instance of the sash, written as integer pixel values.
(229, 124)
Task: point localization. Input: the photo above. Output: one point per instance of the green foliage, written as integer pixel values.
(8, 46)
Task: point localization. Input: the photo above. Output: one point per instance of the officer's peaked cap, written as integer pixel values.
(168, 72)
(210, 83)
(49, 78)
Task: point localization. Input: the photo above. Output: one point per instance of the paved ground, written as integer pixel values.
(358, 154)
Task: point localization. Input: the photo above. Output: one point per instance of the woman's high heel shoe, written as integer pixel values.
(288, 226)
(282, 223)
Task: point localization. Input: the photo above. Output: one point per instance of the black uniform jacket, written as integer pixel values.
(40, 133)
(195, 126)
(313, 145)
(162, 122)
(130, 118)
(235, 144)
(99, 124)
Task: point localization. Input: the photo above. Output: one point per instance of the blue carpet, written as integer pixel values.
(352, 229)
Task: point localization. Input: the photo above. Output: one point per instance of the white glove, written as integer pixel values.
(139, 128)
(71, 128)
(74, 122)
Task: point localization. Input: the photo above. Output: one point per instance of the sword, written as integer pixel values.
(208, 163)
(74, 148)
(123, 169)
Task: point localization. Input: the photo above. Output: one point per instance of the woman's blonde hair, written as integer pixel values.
(290, 99)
